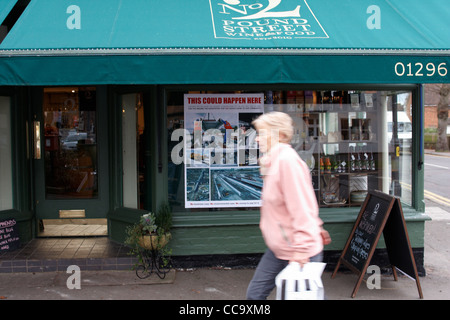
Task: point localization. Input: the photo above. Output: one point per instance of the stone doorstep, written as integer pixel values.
(51, 265)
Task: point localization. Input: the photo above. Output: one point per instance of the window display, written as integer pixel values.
(353, 141)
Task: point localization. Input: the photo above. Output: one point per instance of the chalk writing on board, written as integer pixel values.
(373, 216)
(364, 234)
(367, 222)
(360, 246)
(7, 223)
(9, 237)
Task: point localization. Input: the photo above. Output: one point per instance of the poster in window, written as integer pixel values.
(221, 167)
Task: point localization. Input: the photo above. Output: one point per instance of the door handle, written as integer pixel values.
(36, 140)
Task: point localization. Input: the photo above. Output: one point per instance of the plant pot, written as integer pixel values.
(154, 241)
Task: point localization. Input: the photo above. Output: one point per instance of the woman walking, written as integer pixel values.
(290, 222)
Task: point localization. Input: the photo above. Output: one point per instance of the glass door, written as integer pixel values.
(6, 181)
(71, 176)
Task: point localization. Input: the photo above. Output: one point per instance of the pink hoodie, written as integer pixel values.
(290, 221)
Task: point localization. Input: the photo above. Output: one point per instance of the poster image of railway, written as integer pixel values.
(221, 140)
(236, 184)
(197, 184)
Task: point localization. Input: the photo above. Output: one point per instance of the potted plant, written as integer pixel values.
(163, 219)
(152, 232)
(152, 237)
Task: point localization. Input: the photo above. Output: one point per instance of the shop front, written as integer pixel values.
(105, 116)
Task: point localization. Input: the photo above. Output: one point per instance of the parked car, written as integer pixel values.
(71, 141)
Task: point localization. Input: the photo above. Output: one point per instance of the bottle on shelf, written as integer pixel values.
(358, 160)
(366, 161)
(372, 161)
(335, 163)
(352, 160)
(327, 165)
(343, 165)
(340, 166)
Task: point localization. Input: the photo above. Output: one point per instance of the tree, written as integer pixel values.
(442, 114)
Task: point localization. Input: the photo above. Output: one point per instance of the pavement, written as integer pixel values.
(231, 284)
(437, 153)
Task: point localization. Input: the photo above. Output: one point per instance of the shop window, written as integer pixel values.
(353, 141)
(133, 150)
(6, 196)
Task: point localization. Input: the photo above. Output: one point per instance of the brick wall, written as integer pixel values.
(431, 100)
(430, 117)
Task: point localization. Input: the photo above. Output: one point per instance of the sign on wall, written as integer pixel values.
(221, 167)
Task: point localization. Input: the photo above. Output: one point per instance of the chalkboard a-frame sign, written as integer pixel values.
(9, 235)
(379, 213)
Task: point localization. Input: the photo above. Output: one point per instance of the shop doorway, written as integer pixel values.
(133, 150)
(70, 144)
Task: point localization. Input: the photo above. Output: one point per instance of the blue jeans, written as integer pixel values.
(268, 268)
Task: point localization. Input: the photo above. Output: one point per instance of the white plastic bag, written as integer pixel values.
(297, 283)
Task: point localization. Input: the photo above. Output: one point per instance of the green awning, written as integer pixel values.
(5, 8)
(219, 24)
(228, 41)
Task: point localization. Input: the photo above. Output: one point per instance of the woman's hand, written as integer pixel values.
(300, 259)
(301, 262)
(325, 237)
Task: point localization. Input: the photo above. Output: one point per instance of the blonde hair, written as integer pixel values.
(278, 121)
